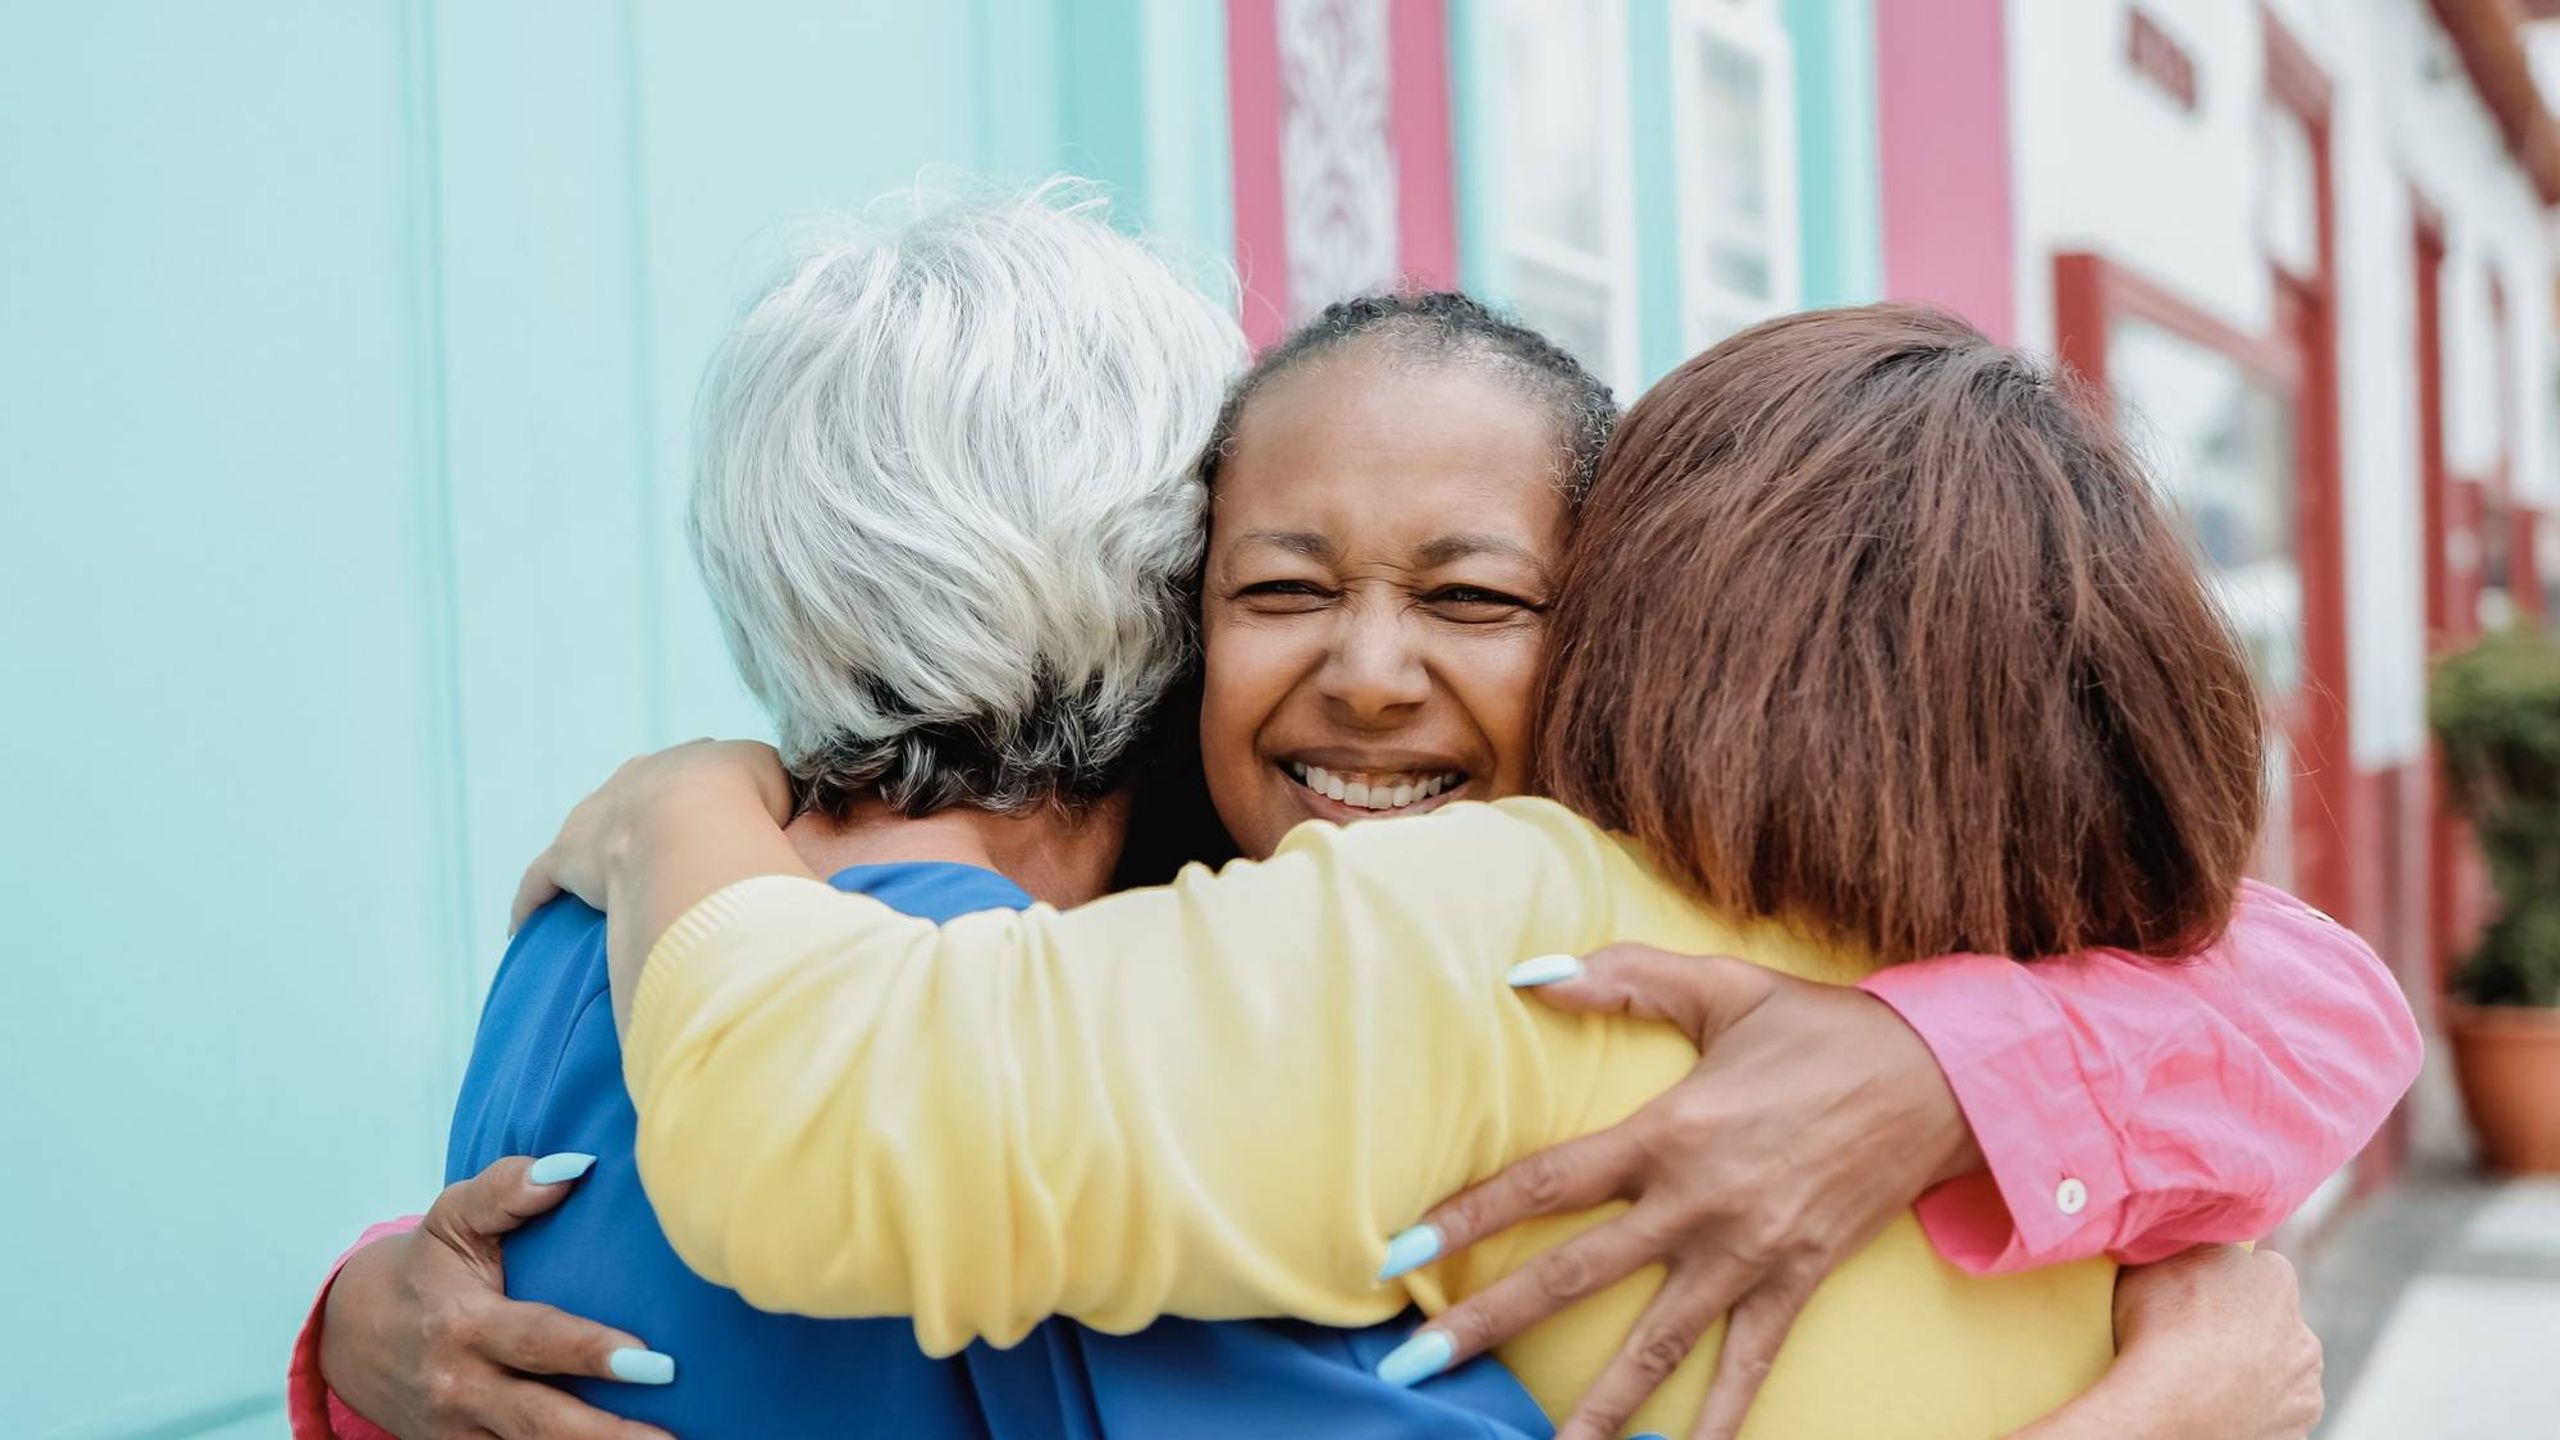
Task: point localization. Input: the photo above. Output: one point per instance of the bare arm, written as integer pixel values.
(2211, 1347)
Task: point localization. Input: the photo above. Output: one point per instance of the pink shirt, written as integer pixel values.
(2124, 1106)
(2135, 1108)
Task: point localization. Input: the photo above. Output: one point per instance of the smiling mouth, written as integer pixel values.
(1378, 792)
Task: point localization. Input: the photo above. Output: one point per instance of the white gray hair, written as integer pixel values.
(945, 500)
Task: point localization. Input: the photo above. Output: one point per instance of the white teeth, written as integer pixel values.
(1386, 792)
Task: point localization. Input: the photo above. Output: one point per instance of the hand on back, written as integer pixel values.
(419, 1337)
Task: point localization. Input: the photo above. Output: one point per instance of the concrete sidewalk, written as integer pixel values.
(2439, 1305)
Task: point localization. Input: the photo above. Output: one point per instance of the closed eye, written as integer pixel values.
(1282, 597)
(1479, 602)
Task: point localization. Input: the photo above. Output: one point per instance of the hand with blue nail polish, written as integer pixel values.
(1418, 1359)
(419, 1336)
(1813, 1117)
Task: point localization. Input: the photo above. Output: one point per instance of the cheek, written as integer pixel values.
(1499, 691)
(1246, 672)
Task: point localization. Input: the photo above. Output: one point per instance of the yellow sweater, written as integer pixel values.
(1217, 1099)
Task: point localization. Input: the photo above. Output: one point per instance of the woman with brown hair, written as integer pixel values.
(1872, 643)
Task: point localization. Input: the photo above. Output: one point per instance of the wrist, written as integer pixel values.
(1939, 1124)
(1961, 1153)
(699, 796)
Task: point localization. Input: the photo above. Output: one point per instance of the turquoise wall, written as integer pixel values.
(346, 352)
(1837, 181)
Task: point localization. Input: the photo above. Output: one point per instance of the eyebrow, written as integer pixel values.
(1434, 552)
(1457, 547)
(1297, 542)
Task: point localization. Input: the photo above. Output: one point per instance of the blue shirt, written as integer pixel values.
(546, 1075)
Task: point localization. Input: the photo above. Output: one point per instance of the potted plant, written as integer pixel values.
(2495, 709)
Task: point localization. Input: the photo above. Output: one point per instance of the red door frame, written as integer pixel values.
(2307, 320)
(2444, 838)
(2427, 250)
(2524, 582)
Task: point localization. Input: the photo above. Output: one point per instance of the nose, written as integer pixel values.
(1374, 671)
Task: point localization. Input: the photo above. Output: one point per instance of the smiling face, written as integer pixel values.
(1382, 551)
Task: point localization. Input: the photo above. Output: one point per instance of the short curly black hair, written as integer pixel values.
(1435, 323)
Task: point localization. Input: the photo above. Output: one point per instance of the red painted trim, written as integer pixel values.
(1255, 102)
(2294, 79)
(2308, 318)
(1418, 128)
(2390, 804)
(2441, 835)
(2427, 246)
(2092, 292)
(1943, 156)
(2524, 560)
(2489, 36)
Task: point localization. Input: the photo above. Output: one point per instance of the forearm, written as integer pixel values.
(705, 832)
(1214, 1099)
(2114, 1409)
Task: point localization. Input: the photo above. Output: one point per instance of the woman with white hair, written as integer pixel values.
(944, 506)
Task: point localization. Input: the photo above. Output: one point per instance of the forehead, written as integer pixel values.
(1395, 448)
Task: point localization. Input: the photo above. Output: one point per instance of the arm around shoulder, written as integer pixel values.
(1212, 1099)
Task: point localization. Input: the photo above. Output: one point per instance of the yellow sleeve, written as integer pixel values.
(1214, 1099)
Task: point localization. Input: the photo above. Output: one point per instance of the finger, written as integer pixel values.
(1751, 1341)
(531, 1410)
(537, 889)
(542, 1340)
(1702, 994)
(473, 1213)
(1576, 1175)
(1663, 1336)
(1582, 1266)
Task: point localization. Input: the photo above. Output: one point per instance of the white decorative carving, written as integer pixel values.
(1337, 162)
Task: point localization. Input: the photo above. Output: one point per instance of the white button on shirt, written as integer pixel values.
(2071, 1197)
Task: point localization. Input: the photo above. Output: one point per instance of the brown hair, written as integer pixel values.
(1869, 625)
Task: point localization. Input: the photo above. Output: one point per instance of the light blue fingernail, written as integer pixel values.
(1544, 970)
(1417, 1246)
(1417, 1359)
(1651, 1435)
(641, 1367)
(556, 1169)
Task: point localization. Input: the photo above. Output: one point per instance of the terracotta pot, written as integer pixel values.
(2507, 1058)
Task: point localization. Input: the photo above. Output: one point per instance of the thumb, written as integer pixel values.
(538, 888)
(472, 1214)
(1702, 994)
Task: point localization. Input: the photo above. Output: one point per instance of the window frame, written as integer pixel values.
(1756, 29)
(1612, 270)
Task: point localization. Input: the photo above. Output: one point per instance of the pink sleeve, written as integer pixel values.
(313, 1409)
(2134, 1107)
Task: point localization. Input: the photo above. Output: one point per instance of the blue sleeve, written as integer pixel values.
(553, 970)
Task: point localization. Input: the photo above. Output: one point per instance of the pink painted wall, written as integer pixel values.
(1254, 104)
(1942, 117)
(1419, 104)
(1417, 131)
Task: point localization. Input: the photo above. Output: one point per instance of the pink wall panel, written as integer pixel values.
(1942, 111)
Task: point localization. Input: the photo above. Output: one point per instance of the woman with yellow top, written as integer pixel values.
(1874, 646)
